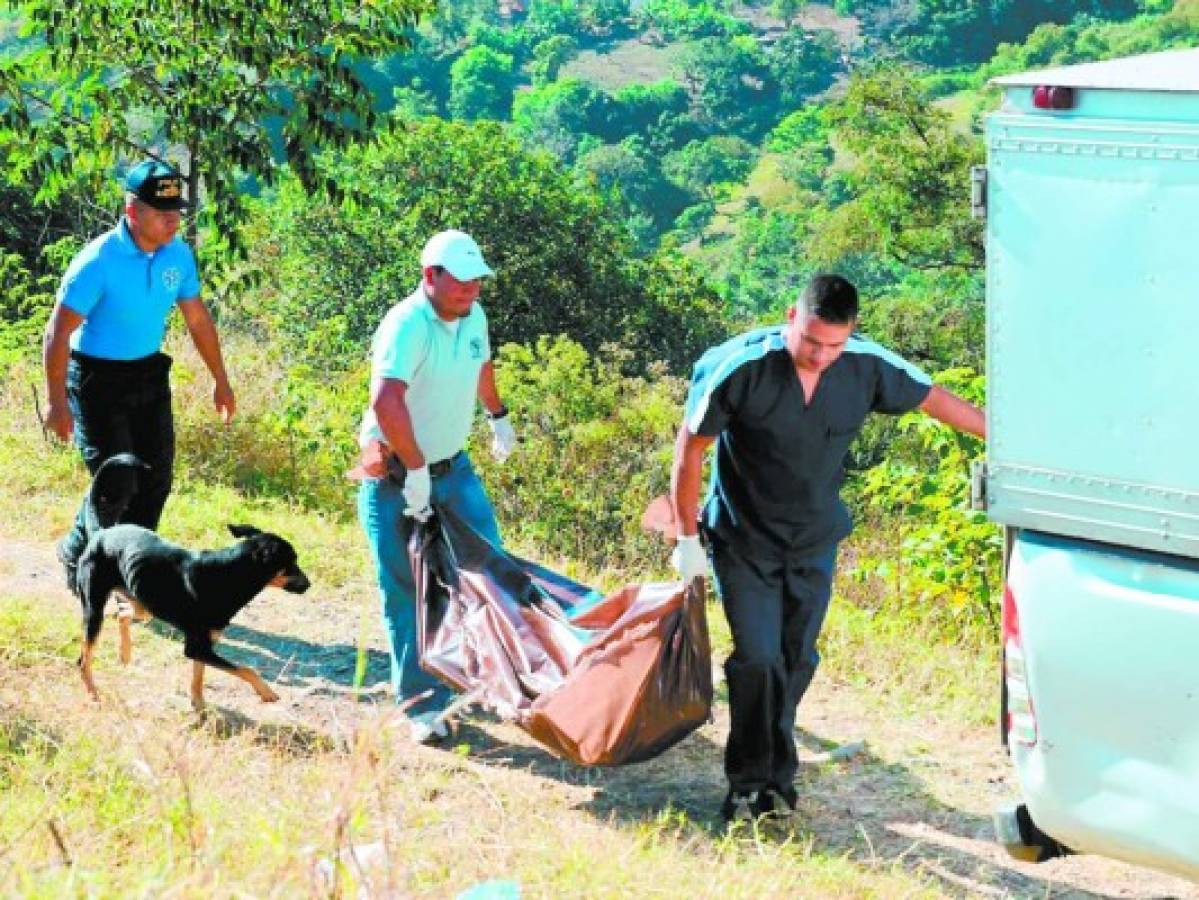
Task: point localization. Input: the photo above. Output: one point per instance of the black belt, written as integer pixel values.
(397, 473)
(154, 364)
(443, 466)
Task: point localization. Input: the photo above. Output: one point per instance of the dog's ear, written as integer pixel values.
(244, 531)
(272, 551)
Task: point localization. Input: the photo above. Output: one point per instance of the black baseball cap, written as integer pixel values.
(156, 184)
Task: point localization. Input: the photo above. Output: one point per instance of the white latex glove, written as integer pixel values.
(418, 488)
(503, 438)
(689, 558)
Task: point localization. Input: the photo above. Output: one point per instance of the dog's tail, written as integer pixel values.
(112, 487)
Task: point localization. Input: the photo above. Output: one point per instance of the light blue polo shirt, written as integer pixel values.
(440, 362)
(126, 294)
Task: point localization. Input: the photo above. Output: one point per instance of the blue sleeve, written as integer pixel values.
(189, 287)
(710, 403)
(82, 284)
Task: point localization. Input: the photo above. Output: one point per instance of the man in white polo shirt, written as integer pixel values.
(430, 362)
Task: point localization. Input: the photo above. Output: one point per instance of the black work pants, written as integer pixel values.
(775, 607)
(123, 406)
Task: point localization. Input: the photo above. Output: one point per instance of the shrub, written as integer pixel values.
(595, 448)
(939, 559)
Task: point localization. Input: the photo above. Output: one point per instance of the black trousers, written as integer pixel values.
(775, 607)
(123, 407)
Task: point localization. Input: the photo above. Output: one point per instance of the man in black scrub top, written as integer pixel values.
(782, 405)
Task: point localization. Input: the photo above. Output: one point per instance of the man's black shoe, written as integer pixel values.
(741, 806)
(779, 800)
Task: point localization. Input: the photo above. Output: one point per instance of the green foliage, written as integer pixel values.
(701, 166)
(690, 19)
(595, 449)
(766, 272)
(802, 63)
(803, 140)
(550, 56)
(26, 298)
(649, 109)
(563, 266)
(630, 174)
(690, 223)
(729, 81)
(547, 18)
(1087, 40)
(556, 116)
(25, 301)
(787, 10)
(937, 318)
(454, 21)
(481, 84)
(965, 31)
(908, 177)
(939, 559)
(107, 81)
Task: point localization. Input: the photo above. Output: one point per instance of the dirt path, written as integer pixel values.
(918, 795)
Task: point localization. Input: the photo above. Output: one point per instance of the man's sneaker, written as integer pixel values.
(427, 727)
(779, 801)
(741, 806)
(70, 564)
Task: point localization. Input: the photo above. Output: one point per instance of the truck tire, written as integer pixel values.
(1022, 839)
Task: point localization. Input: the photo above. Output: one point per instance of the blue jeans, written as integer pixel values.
(381, 512)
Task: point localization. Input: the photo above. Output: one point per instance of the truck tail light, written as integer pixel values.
(1021, 720)
(1047, 96)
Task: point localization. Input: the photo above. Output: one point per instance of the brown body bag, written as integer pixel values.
(597, 680)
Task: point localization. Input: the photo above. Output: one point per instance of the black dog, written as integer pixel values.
(197, 592)
(104, 505)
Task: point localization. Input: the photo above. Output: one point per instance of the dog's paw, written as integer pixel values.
(267, 695)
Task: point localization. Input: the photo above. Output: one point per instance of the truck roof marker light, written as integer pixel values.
(1047, 96)
(1022, 719)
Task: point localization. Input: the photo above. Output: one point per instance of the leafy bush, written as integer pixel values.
(688, 20)
(702, 166)
(563, 266)
(481, 84)
(595, 448)
(939, 559)
(595, 444)
(295, 432)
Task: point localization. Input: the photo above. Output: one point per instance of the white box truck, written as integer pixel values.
(1091, 198)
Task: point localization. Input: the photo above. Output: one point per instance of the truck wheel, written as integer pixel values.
(1022, 839)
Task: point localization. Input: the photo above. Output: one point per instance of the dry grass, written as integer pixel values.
(625, 63)
(140, 798)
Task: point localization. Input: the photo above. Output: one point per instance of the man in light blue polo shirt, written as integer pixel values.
(106, 378)
(430, 365)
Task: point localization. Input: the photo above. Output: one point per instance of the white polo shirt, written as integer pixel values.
(440, 362)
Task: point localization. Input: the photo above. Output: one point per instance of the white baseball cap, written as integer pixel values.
(457, 253)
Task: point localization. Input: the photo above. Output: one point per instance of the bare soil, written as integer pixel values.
(917, 795)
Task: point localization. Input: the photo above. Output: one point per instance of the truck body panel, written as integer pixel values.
(1093, 311)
